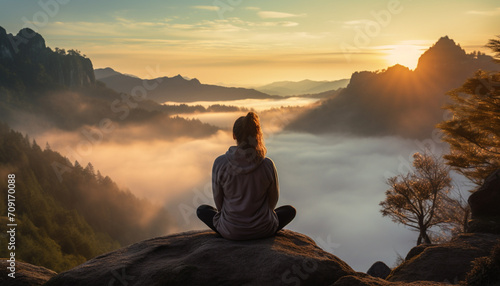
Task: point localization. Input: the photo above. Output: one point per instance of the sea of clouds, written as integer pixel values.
(334, 181)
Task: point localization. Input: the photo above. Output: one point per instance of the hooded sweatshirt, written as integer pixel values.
(245, 192)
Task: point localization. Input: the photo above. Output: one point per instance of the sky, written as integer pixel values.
(253, 42)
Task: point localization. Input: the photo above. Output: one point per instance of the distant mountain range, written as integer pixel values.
(177, 88)
(397, 101)
(309, 87)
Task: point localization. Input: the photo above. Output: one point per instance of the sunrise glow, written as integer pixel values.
(250, 43)
(406, 55)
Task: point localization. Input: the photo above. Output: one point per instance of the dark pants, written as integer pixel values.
(206, 214)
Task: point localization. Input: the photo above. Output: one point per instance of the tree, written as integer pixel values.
(494, 44)
(60, 51)
(417, 198)
(473, 132)
(74, 52)
(89, 170)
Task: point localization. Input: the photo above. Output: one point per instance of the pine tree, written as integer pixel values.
(474, 130)
(99, 177)
(494, 45)
(89, 170)
(35, 146)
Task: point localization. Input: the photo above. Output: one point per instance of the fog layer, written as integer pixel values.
(335, 183)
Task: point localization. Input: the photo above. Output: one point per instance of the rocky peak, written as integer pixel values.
(29, 41)
(27, 50)
(194, 81)
(444, 53)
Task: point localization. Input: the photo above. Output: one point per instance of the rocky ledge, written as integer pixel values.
(289, 258)
(204, 258)
(447, 262)
(25, 274)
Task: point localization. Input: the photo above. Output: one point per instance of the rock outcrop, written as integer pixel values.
(447, 262)
(204, 258)
(25, 274)
(484, 205)
(379, 269)
(27, 51)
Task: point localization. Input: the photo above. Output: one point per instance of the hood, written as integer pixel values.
(243, 160)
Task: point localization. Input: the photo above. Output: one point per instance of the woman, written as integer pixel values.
(245, 188)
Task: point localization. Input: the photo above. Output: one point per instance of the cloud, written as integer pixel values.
(209, 8)
(355, 23)
(493, 12)
(277, 15)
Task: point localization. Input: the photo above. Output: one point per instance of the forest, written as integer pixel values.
(64, 221)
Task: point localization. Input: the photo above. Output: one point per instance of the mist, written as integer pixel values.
(255, 104)
(336, 184)
(334, 181)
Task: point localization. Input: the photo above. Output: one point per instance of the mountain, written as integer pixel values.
(25, 56)
(177, 88)
(289, 88)
(103, 73)
(397, 101)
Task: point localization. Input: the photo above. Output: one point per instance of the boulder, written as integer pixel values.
(447, 262)
(484, 205)
(416, 251)
(205, 258)
(379, 269)
(25, 274)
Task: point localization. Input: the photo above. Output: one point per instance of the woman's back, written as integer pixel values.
(245, 187)
(245, 193)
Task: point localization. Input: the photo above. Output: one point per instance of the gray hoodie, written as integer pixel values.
(245, 192)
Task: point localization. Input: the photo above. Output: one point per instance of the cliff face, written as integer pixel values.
(28, 48)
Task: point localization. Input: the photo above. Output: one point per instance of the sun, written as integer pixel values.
(406, 55)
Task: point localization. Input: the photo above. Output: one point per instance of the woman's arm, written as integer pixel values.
(217, 187)
(274, 192)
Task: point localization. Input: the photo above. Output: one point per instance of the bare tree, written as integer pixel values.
(417, 199)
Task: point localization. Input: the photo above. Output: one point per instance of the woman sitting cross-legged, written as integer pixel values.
(245, 188)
